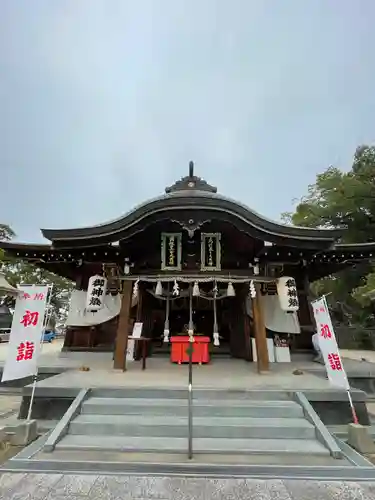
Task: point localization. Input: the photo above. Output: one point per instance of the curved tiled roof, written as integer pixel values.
(192, 193)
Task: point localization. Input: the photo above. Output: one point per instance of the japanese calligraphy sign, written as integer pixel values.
(171, 251)
(96, 290)
(288, 295)
(210, 252)
(328, 345)
(26, 332)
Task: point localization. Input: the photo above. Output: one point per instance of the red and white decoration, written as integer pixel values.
(287, 293)
(96, 290)
(328, 345)
(25, 336)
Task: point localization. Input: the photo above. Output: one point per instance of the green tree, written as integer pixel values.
(6, 233)
(22, 272)
(340, 199)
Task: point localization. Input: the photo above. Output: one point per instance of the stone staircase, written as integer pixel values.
(155, 422)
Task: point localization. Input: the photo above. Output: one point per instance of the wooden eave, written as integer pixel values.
(192, 204)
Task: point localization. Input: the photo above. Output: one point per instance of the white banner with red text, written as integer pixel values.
(328, 345)
(25, 336)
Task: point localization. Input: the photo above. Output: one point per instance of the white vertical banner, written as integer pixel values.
(328, 345)
(25, 336)
(136, 334)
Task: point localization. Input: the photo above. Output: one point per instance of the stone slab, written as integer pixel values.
(201, 445)
(113, 487)
(21, 433)
(360, 439)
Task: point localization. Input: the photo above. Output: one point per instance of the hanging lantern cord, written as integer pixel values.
(216, 329)
(166, 324)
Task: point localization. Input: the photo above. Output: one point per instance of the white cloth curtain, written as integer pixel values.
(275, 318)
(78, 316)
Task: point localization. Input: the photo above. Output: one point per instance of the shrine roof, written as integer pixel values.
(190, 195)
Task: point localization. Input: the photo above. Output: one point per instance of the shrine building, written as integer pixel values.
(191, 261)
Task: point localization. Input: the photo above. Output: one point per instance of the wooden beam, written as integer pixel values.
(123, 327)
(260, 332)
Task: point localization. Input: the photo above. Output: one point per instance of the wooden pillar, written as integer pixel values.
(260, 332)
(307, 293)
(138, 317)
(123, 327)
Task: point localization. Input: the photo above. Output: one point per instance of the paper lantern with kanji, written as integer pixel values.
(288, 295)
(96, 291)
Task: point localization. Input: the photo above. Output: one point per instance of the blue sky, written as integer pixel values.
(104, 102)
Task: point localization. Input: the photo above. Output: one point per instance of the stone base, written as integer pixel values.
(360, 439)
(20, 433)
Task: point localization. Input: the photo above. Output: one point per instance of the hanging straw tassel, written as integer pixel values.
(159, 289)
(216, 333)
(166, 323)
(252, 290)
(166, 336)
(136, 289)
(176, 289)
(196, 291)
(230, 290)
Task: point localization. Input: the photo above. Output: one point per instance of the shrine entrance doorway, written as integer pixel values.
(230, 321)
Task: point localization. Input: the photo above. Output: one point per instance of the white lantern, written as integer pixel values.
(288, 295)
(96, 291)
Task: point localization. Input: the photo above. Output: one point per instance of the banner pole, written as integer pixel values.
(336, 352)
(354, 413)
(321, 297)
(45, 324)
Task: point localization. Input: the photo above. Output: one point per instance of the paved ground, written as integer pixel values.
(63, 487)
(48, 349)
(220, 373)
(358, 355)
(9, 405)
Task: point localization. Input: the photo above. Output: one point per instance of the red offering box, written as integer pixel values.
(180, 345)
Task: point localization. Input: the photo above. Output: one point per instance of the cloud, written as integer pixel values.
(104, 103)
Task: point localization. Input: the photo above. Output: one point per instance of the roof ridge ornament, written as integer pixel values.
(191, 168)
(191, 182)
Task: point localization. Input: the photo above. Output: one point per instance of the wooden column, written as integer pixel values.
(138, 318)
(260, 332)
(123, 327)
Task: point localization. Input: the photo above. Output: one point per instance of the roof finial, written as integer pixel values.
(191, 169)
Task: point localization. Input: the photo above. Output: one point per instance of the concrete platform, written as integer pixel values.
(150, 487)
(54, 395)
(61, 380)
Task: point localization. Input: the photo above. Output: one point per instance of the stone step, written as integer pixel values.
(148, 444)
(198, 394)
(210, 427)
(178, 407)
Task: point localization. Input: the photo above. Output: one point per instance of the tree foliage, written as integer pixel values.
(6, 233)
(340, 199)
(22, 272)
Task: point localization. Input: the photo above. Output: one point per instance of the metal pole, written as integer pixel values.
(354, 413)
(190, 384)
(45, 323)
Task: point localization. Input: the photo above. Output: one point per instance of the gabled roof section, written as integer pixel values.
(192, 194)
(191, 182)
